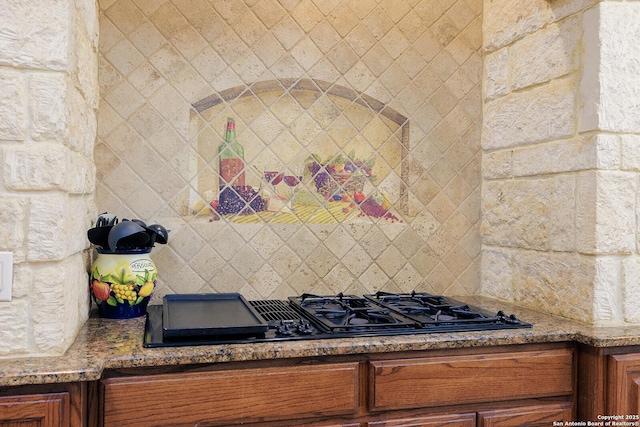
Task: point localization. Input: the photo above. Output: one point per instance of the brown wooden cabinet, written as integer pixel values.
(609, 383)
(43, 410)
(518, 385)
(543, 414)
(61, 405)
(623, 388)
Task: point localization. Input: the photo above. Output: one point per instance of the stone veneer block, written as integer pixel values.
(559, 283)
(12, 228)
(543, 113)
(497, 164)
(57, 226)
(35, 168)
(497, 273)
(631, 288)
(13, 125)
(630, 152)
(616, 212)
(605, 218)
(562, 9)
(581, 153)
(607, 293)
(610, 86)
(546, 54)
(516, 213)
(507, 21)
(83, 126)
(562, 218)
(15, 326)
(47, 93)
(496, 74)
(59, 310)
(35, 38)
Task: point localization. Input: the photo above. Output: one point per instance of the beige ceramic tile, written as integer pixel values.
(269, 12)
(124, 15)
(429, 11)
(148, 6)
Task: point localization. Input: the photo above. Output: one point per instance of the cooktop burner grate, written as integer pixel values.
(274, 310)
(340, 316)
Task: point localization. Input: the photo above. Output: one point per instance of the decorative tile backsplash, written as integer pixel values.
(367, 114)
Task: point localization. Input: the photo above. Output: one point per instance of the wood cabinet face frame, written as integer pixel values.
(358, 374)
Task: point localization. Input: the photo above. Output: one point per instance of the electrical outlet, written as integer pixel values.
(6, 275)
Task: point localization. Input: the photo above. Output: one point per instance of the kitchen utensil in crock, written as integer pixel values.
(140, 222)
(106, 219)
(99, 236)
(162, 234)
(152, 237)
(127, 235)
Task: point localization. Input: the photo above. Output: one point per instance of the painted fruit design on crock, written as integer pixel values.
(122, 287)
(101, 290)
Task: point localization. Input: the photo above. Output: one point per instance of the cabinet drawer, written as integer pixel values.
(450, 380)
(245, 395)
(444, 420)
(535, 415)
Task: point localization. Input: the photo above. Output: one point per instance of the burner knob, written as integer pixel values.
(284, 329)
(305, 328)
(513, 320)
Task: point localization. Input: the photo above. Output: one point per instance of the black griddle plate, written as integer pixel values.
(209, 315)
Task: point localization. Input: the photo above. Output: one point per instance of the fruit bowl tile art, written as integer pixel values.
(338, 189)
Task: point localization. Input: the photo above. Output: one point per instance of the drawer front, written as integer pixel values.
(542, 415)
(444, 420)
(450, 380)
(246, 395)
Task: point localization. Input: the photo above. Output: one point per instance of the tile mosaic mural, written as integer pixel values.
(355, 165)
(341, 176)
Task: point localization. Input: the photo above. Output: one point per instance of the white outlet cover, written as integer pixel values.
(6, 275)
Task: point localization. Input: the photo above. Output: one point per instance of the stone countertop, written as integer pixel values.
(110, 344)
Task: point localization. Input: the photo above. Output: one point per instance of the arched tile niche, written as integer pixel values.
(294, 123)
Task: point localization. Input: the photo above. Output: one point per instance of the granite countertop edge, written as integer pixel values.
(104, 344)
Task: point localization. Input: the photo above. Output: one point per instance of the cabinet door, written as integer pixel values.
(624, 384)
(448, 420)
(526, 416)
(41, 410)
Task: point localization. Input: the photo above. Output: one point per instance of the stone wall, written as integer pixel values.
(560, 137)
(48, 87)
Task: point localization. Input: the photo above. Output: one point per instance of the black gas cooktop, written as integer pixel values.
(310, 316)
